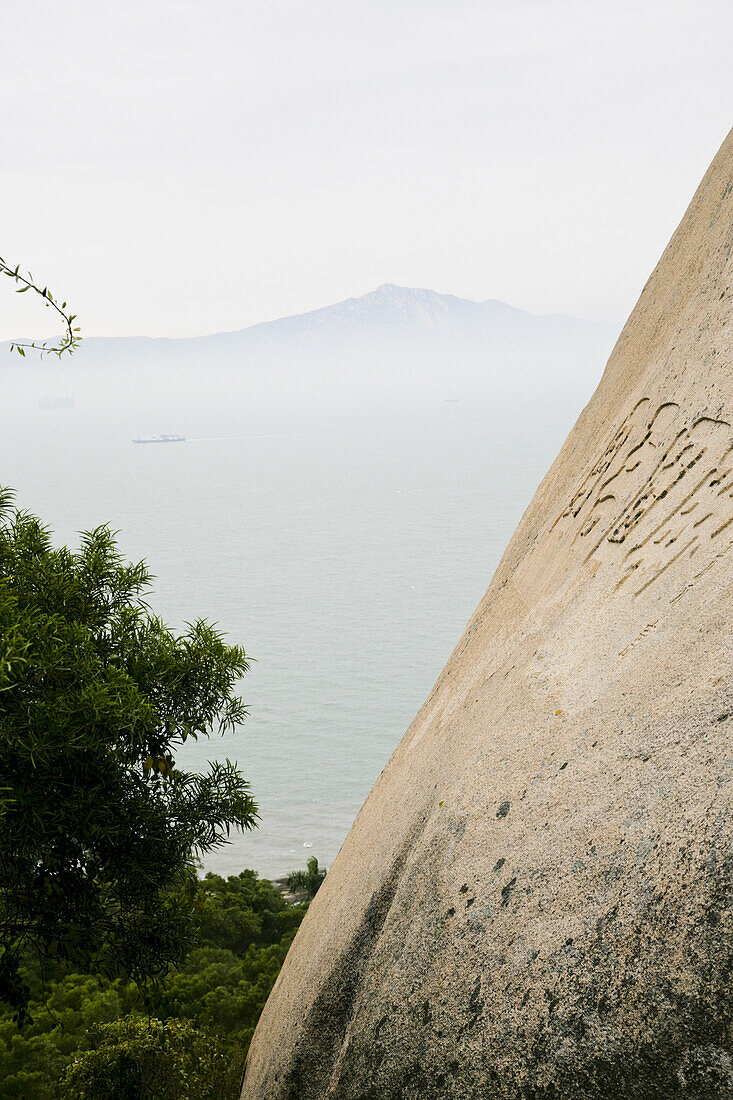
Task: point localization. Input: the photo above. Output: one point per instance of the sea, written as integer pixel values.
(344, 543)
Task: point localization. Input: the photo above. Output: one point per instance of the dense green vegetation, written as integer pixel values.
(243, 927)
(134, 1059)
(99, 825)
(122, 973)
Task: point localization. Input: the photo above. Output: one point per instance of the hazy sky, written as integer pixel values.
(185, 166)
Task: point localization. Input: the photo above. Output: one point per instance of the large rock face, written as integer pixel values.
(535, 900)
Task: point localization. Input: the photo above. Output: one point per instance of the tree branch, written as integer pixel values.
(70, 339)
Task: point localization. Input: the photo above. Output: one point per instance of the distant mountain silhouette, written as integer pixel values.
(395, 311)
(403, 335)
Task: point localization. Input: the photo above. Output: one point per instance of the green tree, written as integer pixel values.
(242, 910)
(305, 884)
(244, 927)
(99, 827)
(33, 1058)
(139, 1059)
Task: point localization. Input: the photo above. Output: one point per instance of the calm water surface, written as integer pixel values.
(345, 546)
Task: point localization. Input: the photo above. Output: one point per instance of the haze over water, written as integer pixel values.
(344, 543)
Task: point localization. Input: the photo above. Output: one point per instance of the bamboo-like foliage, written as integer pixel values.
(70, 339)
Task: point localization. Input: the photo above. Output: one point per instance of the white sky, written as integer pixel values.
(174, 167)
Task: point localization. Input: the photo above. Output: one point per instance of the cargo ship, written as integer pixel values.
(161, 439)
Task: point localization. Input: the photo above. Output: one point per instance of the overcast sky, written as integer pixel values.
(175, 167)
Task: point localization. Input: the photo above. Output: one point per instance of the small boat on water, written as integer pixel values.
(161, 439)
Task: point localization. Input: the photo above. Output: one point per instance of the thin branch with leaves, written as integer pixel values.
(70, 339)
